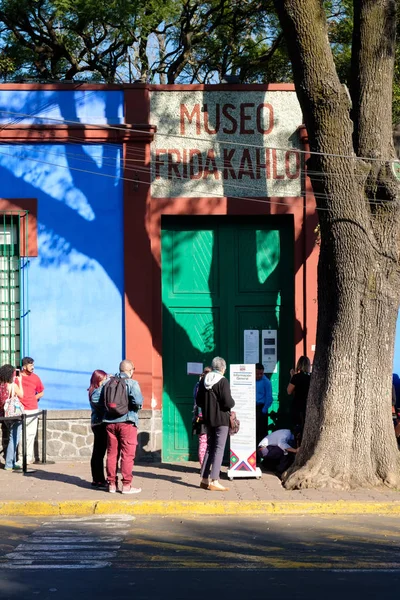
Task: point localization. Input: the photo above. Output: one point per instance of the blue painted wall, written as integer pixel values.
(76, 283)
(44, 106)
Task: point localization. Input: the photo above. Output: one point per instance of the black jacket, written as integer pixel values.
(215, 403)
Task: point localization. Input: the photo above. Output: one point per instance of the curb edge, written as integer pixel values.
(160, 507)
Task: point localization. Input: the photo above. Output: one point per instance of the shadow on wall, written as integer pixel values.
(227, 171)
(197, 335)
(78, 275)
(143, 454)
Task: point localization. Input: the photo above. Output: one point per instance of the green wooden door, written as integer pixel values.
(221, 276)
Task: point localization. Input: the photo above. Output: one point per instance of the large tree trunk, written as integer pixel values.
(349, 439)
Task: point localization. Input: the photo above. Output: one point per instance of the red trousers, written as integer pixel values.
(121, 443)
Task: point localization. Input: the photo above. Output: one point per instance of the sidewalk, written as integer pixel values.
(64, 488)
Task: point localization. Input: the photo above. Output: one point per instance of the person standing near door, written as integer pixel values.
(33, 390)
(198, 426)
(263, 402)
(215, 400)
(298, 387)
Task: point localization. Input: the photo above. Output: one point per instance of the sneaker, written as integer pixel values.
(17, 466)
(217, 487)
(127, 489)
(112, 488)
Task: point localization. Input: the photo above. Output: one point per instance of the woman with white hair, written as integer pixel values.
(215, 400)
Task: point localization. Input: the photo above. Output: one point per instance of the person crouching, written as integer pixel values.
(277, 451)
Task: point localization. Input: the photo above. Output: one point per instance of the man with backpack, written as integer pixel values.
(121, 400)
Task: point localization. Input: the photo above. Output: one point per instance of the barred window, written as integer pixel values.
(14, 312)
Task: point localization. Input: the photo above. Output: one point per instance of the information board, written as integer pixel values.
(251, 346)
(243, 444)
(269, 350)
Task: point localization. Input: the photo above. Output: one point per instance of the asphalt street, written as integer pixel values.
(195, 557)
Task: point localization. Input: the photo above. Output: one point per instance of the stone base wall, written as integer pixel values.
(69, 435)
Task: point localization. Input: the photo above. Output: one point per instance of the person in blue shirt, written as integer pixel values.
(263, 402)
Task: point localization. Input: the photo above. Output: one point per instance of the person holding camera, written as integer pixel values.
(10, 388)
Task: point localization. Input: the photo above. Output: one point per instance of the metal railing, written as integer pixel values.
(22, 418)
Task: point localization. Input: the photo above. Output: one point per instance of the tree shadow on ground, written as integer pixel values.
(176, 467)
(86, 483)
(61, 477)
(170, 478)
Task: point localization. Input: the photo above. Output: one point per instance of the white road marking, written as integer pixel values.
(372, 570)
(38, 539)
(91, 565)
(65, 546)
(21, 557)
(53, 547)
(117, 526)
(94, 519)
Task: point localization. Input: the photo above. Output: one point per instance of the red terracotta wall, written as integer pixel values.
(142, 231)
(139, 260)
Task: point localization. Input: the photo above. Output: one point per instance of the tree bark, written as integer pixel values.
(348, 438)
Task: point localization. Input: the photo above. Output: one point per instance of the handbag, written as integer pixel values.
(234, 423)
(197, 420)
(13, 406)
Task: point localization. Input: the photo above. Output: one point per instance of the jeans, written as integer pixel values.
(31, 431)
(15, 434)
(121, 441)
(216, 440)
(98, 453)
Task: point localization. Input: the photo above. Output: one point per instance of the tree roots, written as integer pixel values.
(318, 478)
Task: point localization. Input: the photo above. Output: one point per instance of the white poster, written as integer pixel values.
(251, 346)
(269, 350)
(194, 368)
(243, 444)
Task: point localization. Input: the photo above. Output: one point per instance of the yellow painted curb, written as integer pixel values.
(159, 507)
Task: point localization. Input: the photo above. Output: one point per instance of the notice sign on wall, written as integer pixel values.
(269, 349)
(225, 143)
(251, 346)
(243, 444)
(194, 368)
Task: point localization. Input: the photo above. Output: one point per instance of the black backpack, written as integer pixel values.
(115, 397)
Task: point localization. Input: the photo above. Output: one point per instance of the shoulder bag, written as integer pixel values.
(234, 423)
(13, 406)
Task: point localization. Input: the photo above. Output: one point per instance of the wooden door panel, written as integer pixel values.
(220, 276)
